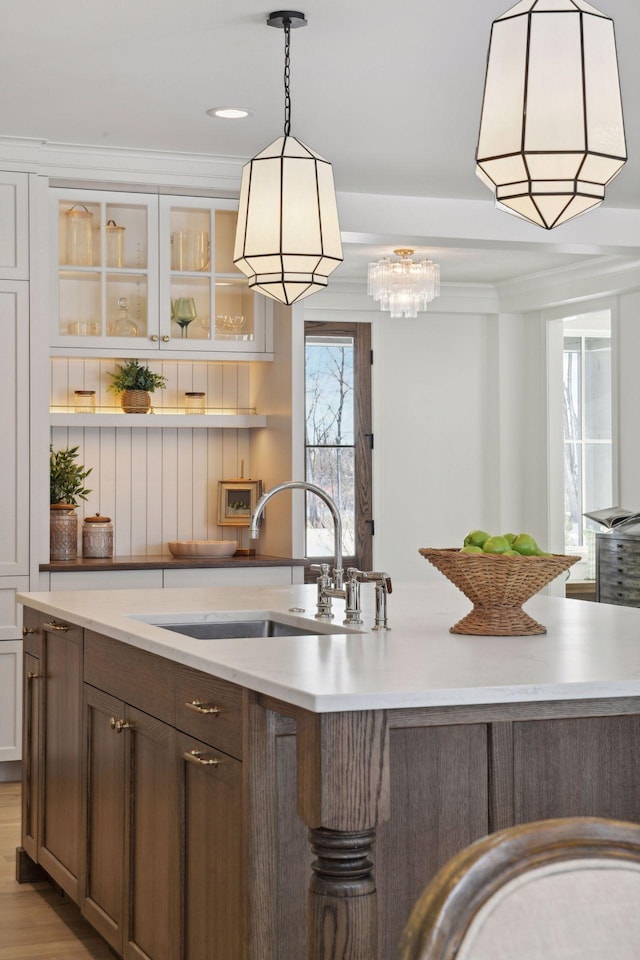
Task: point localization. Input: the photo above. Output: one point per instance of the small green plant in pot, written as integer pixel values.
(66, 487)
(66, 477)
(135, 382)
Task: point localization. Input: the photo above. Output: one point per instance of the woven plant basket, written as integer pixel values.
(135, 401)
(497, 587)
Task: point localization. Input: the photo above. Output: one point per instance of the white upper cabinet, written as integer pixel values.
(14, 226)
(135, 273)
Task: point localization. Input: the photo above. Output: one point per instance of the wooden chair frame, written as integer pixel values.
(442, 915)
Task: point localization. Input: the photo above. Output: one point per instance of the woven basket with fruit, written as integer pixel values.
(498, 574)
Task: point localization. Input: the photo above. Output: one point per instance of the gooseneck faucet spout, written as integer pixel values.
(337, 522)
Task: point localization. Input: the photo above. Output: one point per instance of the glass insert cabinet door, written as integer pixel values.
(204, 299)
(138, 272)
(106, 277)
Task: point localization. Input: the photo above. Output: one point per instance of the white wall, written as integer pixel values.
(466, 433)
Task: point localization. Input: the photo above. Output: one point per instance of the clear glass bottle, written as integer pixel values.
(124, 326)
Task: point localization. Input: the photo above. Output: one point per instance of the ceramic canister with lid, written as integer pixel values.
(97, 537)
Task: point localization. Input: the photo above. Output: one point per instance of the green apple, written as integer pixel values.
(471, 549)
(476, 538)
(525, 545)
(510, 537)
(495, 545)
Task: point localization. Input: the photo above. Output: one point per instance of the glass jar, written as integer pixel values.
(115, 244)
(97, 537)
(194, 401)
(79, 223)
(84, 401)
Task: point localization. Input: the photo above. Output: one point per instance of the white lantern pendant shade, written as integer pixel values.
(288, 235)
(551, 132)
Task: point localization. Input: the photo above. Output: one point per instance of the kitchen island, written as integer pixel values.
(393, 749)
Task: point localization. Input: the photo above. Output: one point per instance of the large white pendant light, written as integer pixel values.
(288, 235)
(551, 132)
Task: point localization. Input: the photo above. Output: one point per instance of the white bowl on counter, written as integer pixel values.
(203, 548)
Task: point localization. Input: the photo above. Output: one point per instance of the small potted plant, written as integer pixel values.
(135, 382)
(66, 487)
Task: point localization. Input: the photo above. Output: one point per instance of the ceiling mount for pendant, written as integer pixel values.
(287, 18)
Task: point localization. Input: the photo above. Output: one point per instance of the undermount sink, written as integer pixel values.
(234, 625)
(230, 629)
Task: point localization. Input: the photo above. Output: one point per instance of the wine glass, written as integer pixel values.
(184, 312)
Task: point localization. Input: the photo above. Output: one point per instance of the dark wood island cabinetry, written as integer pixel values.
(218, 821)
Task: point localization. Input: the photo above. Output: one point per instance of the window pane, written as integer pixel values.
(597, 404)
(572, 388)
(597, 467)
(329, 391)
(573, 508)
(332, 469)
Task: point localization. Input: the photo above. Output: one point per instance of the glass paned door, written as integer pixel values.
(338, 444)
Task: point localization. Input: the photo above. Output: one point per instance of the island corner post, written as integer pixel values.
(343, 793)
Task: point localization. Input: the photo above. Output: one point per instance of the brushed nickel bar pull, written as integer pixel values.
(61, 627)
(194, 756)
(27, 630)
(199, 706)
(34, 676)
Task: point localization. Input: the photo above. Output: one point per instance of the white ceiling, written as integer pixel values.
(390, 93)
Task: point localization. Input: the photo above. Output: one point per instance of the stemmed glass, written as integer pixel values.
(184, 312)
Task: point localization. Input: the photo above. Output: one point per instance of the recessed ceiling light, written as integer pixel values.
(229, 113)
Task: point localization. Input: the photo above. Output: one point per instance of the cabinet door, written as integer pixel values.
(213, 852)
(104, 270)
(10, 699)
(103, 900)
(152, 841)
(14, 226)
(31, 698)
(14, 428)
(205, 302)
(60, 825)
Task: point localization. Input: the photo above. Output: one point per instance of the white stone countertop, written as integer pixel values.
(590, 650)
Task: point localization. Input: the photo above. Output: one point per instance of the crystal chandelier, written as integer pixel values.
(551, 131)
(403, 286)
(288, 235)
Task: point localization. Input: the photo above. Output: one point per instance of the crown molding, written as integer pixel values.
(82, 163)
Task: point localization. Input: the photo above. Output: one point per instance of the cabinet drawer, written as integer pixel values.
(135, 676)
(615, 549)
(619, 593)
(209, 709)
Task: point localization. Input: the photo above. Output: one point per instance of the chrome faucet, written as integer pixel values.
(331, 582)
(328, 586)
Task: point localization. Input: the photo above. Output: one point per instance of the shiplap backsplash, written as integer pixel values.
(157, 484)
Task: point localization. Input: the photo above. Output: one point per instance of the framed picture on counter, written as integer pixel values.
(237, 501)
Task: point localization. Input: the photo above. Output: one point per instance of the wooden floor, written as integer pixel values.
(36, 921)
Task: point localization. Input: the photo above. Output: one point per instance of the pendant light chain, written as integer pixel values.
(287, 77)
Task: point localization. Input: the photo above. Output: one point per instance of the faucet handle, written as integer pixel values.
(321, 568)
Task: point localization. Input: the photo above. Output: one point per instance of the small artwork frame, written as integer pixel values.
(237, 501)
